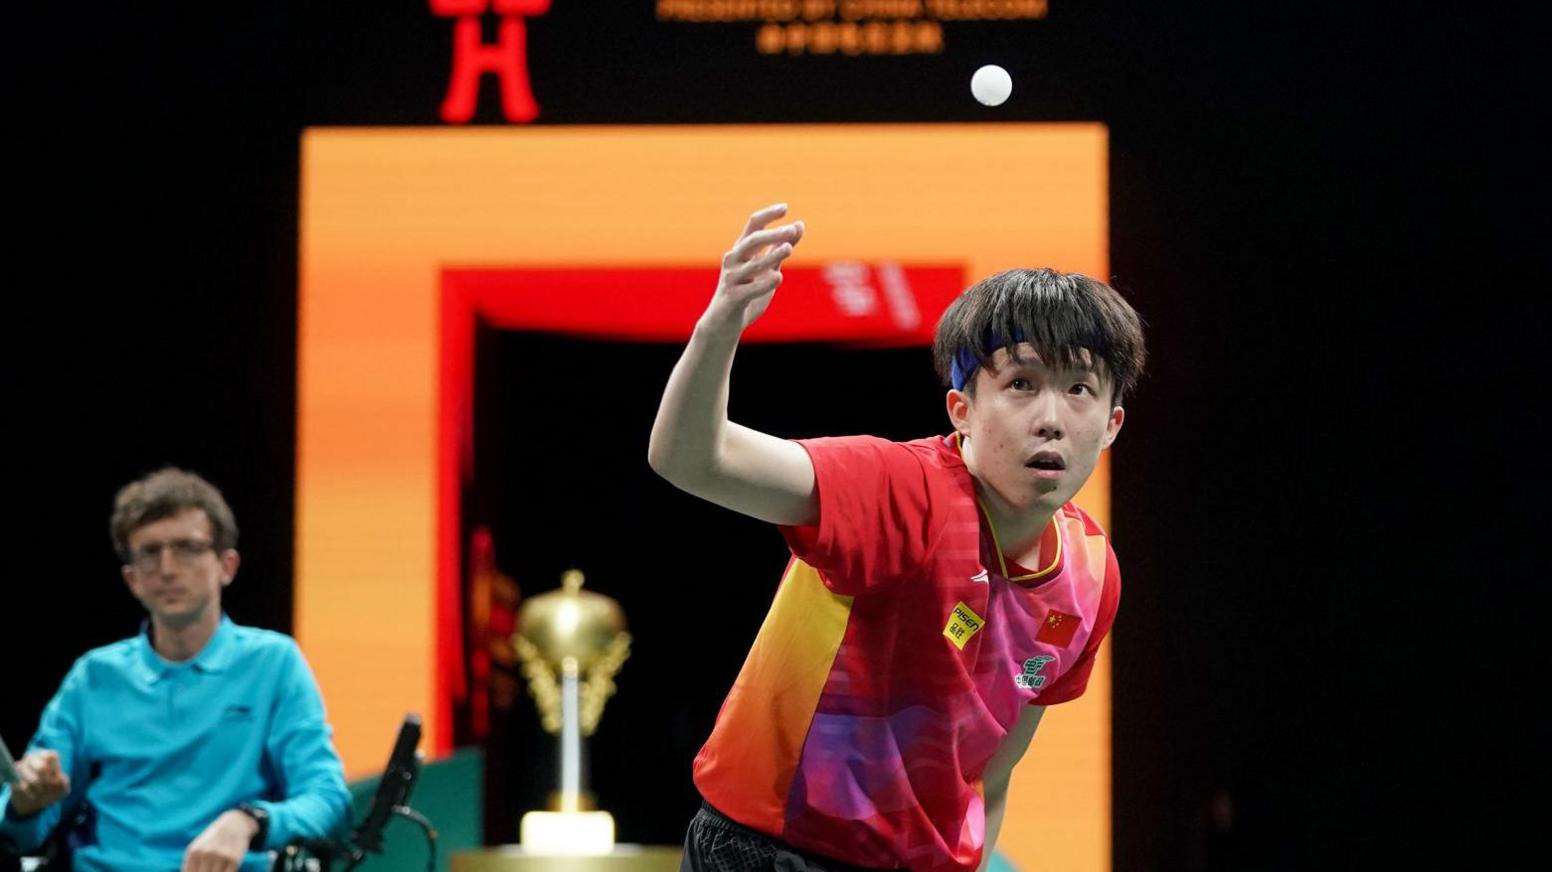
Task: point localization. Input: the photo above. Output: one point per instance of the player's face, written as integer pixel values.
(1034, 433)
(175, 571)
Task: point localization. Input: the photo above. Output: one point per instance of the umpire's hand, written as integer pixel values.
(40, 783)
(223, 844)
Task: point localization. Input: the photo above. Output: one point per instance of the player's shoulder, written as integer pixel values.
(937, 455)
(939, 451)
(929, 451)
(940, 463)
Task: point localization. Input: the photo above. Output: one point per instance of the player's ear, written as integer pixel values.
(1113, 425)
(958, 403)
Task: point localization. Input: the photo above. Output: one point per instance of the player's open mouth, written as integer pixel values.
(1046, 463)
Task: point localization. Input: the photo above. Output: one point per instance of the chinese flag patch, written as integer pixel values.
(1058, 627)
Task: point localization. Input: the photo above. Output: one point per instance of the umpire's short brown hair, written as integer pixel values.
(163, 494)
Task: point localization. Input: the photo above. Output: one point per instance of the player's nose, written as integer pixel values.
(1045, 420)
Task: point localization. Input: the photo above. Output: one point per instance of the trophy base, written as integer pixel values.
(567, 832)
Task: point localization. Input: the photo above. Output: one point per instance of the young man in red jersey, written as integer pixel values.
(941, 593)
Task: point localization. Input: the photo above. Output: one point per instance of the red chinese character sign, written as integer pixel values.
(473, 58)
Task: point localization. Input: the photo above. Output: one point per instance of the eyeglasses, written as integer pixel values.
(148, 557)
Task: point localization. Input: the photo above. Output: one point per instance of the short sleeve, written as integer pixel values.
(875, 524)
(1072, 683)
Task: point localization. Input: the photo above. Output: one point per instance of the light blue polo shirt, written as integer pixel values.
(159, 750)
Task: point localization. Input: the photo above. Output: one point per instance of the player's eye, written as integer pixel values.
(1019, 384)
(1083, 388)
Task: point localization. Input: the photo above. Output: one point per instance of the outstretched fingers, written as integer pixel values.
(751, 269)
(770, 260)
(763, 217)
(753, 283)
(748, 248)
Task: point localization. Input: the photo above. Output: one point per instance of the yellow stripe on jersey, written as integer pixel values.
(764, 723)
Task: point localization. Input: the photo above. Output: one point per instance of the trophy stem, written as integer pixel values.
(570, 737)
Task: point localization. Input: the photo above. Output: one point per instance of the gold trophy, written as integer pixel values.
(571, 643)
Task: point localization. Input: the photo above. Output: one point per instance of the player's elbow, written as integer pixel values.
(657, 456)
(674, 464)
(661, 457)
(665, 454)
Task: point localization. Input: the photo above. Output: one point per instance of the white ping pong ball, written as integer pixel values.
(991, 85)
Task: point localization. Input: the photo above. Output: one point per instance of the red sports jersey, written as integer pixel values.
(899, 651)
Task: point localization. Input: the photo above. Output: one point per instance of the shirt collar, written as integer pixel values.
(216, 656)
(950, 450)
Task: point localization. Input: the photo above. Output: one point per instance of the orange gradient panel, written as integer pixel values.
(385, 210)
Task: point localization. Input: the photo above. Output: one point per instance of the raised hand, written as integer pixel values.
(751, 270)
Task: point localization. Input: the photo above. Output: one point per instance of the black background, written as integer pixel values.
(1331, 215)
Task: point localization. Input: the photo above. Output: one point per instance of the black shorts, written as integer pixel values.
(717, 843)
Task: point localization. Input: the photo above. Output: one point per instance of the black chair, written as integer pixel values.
(390, 801)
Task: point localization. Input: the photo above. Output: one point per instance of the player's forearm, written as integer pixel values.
(692, 422)
(996, 805)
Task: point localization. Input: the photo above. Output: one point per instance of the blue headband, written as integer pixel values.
(966, 361)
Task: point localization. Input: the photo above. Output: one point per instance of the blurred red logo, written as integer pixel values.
(506, 58)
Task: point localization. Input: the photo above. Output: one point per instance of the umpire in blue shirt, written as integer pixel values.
(196, 745)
